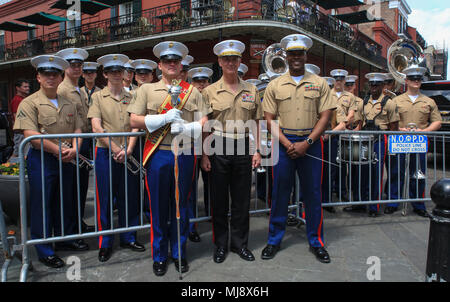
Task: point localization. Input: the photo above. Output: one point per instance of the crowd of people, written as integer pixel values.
(304, 104)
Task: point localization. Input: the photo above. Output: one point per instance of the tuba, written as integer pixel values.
(274, 61)
(402, 54)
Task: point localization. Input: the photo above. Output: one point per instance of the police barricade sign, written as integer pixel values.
(409, 143)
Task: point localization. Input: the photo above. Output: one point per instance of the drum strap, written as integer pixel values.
(383, 103)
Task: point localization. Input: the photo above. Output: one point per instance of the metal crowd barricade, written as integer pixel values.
(384, 171)
(8, 251)
(26, 241)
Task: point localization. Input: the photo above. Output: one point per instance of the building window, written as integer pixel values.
(126, 12)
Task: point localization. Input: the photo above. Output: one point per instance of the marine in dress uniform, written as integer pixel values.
(350, 87)
(160, 180)
(231, 99)
(242, 70)
(186, 63)
(379, 113)
(46, 112)
(144, 71)
(200, 79)
(108, 113)
(413, 107)
(89, 75)
(128, 77)
(69, 89)
(302, 103)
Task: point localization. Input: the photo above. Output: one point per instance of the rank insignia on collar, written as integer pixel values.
(248, 98)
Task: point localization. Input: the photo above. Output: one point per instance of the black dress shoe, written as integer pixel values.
(184, 265)
(220, 254)
(291, 220)
(356, 208)
(160, 268)
(320, 253)
(330, 209)
(134, 246)
(244, 253)
(373, 213)
(390, 210)
(194, 237)
(52, 261)
(104, 254)
(269, 251)
(76, 245)
(422, 213)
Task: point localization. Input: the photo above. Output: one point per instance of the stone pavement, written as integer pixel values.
(399, 242)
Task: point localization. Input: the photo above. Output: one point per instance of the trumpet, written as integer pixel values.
(84, 162)
(133, 164)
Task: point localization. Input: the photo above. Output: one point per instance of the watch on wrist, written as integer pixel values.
(309, 141)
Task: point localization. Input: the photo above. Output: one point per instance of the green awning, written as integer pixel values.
(15, 27)
(42, 19)
(87, 6)
(329, 4)
(357, 17)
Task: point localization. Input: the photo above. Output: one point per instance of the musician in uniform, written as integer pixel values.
(200, 79)
(69, 89)
(379, 113)
(418, 109)
(390, 84)
(231, 99)
(152, 110)
(89, 76)
(108, 114)
(302, 103)
(46, 112)
(128, 77)
(143, 71)
(186, 62)
(242, 70)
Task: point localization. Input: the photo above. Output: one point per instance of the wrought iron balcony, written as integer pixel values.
(176, 16)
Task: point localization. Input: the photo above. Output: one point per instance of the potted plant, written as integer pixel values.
(9, 190)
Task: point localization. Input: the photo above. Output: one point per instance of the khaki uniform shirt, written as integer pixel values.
(36, 112)
(387, 116)
(242, 105)
(70, 92)
(345, 102)
(297, 106)
(422, 112)
(359, 104)
(113, 113)
(150, 96)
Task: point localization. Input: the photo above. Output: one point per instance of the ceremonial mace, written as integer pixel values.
(175, 91)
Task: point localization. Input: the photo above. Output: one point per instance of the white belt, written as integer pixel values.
(230, 135)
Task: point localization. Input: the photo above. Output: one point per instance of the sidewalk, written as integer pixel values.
(399, 242)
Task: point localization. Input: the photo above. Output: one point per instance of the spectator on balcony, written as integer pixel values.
(22, 91)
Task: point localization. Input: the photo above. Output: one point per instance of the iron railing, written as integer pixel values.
(176, 16)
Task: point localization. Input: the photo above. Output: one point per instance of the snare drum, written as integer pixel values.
(356, 149)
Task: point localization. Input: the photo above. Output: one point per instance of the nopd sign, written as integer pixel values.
(408, 144)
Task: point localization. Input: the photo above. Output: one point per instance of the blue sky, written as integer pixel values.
(432, 20)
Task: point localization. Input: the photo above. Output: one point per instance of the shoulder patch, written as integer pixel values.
(21, 114)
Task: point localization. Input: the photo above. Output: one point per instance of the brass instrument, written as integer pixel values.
(274, 61)
(84, 162)
(133, 165)
(402, 54)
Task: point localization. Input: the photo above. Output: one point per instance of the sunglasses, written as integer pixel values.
(349, 84)
(374, 84)
(339, 78)
(389, 81)
(89, 71)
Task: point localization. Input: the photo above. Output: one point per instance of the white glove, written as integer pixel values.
(156, 121)
(193, 129)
